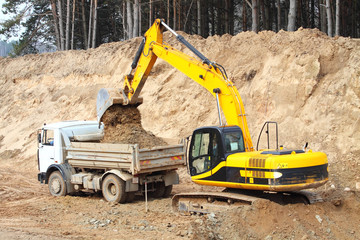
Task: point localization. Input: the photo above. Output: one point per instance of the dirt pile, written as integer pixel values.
(123, 125)
(307, 82)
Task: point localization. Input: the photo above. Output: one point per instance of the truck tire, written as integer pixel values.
(159, 190)
(167, 191)
(57, 186)
(113, 189)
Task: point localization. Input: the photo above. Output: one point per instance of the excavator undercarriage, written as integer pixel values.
(208, 202)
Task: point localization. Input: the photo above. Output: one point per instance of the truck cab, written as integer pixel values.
(54, 138)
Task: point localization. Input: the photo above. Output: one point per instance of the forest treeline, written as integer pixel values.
(81, 24)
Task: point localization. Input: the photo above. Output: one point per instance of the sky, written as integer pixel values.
(4, 17)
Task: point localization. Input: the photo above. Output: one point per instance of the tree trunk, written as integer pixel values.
(261, 12)
(90, 23)
(168, 13)
(244, 20)
(322, 16)
(61, 25)
(84, 23)
(226, 20)
(299, 17)
(292, 15)
(56, 24)
(136, 19)
(278, 15)
(67, 34)
(329, 21)
(179, 18)
(264, 6)
(205, 18)
(255, 16)
(272, 16)
(129, 19)
(337, 25)
(140, 34)
(266, 15)
(306, 14)
(219, 20)
(213, 20)
(73, 25)
(187, 17)
(312, 13)
(150, 13)
(94, 25)
(123, 21)
(231, 17)
(174, 6)
(198, 17)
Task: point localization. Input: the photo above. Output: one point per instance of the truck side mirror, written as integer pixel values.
(39, 137)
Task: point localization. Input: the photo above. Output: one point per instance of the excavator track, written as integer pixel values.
(207, 202)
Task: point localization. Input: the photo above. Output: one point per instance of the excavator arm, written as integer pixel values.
(208, 74)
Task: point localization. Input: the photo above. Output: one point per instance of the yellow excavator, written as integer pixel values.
(222, 155)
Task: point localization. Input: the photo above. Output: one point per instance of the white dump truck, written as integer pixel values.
(71, 159)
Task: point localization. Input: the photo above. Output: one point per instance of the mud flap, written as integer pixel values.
(171, 178)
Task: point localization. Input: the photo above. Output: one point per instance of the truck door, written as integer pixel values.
(46, 149)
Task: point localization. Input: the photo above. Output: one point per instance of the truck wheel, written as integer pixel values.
(159, 190)
(57, 186)
(113, 189)
(167, 191)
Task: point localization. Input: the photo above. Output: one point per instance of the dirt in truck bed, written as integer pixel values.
(123, 125)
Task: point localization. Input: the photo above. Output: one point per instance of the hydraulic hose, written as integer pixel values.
(187, 44)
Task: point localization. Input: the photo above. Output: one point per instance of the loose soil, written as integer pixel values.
(307, 82)
(123, 125)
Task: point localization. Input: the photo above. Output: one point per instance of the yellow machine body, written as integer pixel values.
(256, 171)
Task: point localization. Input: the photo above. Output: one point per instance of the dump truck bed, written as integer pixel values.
(126, 157)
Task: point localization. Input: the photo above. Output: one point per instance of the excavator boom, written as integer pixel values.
(210, 75)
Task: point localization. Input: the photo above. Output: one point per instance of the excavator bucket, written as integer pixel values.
(110, 96)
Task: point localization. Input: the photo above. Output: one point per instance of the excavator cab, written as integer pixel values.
(210, 146)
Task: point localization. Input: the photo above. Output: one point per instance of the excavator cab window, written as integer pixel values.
(205, 151)
(234, 142)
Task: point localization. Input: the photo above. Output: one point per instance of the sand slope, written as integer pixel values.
(307, 82)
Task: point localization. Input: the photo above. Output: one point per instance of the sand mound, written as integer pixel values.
(123, 125)
(307, 82)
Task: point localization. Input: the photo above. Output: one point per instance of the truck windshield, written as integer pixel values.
(234, 142)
